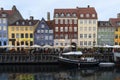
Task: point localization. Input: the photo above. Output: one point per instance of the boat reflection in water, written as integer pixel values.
(54, 72)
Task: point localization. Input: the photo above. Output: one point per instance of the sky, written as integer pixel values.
(38, 8)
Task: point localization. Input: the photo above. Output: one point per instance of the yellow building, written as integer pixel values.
(22, 33)
(116, 23)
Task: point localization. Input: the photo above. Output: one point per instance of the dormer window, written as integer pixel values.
(17, 23)
(42, 26)
(30, 23)
(23, 23)
(56, 15)
(68, 14)
(87, 15)
(81, 15)
(62, 15)
(74, 15)
(93, 15)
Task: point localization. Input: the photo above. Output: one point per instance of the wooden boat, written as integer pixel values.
(86, 62)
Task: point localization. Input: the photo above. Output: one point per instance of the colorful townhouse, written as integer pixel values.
(77, 26)
(43, 34)
(105, 33)
(87, 27)
(22, 32)
(7, 17)
(116, 23)
(65, 27)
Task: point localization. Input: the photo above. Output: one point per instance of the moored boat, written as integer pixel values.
(79, 62)
(106, 64)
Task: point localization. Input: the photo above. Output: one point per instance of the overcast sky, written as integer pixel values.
(38, 8)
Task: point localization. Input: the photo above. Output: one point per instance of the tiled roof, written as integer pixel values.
(26, 23)
(9, 12)
(104, 24)
(50, 24)
(78, 11)
(114, 21)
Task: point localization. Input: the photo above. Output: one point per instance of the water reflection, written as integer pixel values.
(54, 72)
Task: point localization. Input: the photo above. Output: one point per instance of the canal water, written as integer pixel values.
(55, 72)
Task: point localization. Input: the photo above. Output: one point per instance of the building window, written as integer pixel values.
(94, 21)
(85, 21)
(94, 36)
(62, 15)
(81, 28)
(42, 31)
(51, 37)
(4, 35)
(56, 15)
(81, 35)
(61, 29)
(90, 21)
(0, 27)
(50, 31)
(22, 42)
(61, 44)
(46, 31)
(74, 15)
(30, 23)
(116, 36)
(81, 43)
(94, 28)
(66, 21)
(85, 28)
(26, 35)
(75, 29)
(56, 36)
(70, 21)
(56, 29)
(90, 36)
(17, 35)
(70, 29)
(66, 29)
(85, 43)
(31, 28)
(38, 31)
(42, 26)
(66, 36)
(4, 20)
(17, 23)
(26, 28)
(26, 42)
(46, 37)
(22, 35)
(23, 23)
(75, 21)
(17, 28)
(85, 35)
(75, 36)
(31, 35)
(93, 15)
(81, 21)
(81, 15)
(31, 43)
(13, 35)
(89, 28)
(0, 35)
(68, 15)
(87, 15)
(61, 36)
(61, 21)
(5, 28)
(56, 21)
(89, 43)
(56, 43)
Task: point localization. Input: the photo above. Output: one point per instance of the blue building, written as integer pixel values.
(7, 17)
(43, 34)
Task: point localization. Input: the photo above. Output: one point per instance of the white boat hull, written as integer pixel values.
(106, 64)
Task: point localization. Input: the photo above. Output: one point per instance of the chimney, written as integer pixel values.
(2, 9)
(14, 7)
(48, 16)
(31, 18)
(88, 6)
(118, 15)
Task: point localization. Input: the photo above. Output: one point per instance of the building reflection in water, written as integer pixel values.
(54, 72)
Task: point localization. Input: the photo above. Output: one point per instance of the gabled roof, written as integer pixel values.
(78, 11)
(114, 21)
